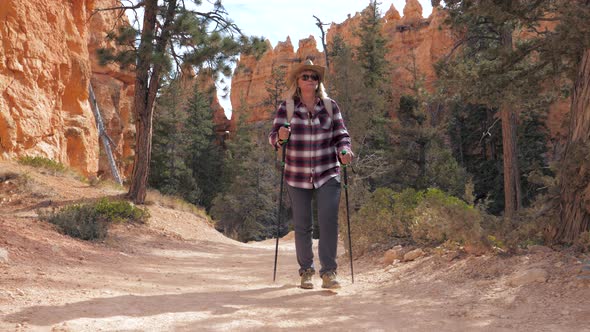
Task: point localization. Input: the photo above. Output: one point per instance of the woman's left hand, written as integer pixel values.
(346, 158)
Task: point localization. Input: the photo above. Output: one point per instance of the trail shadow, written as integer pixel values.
(212, 303)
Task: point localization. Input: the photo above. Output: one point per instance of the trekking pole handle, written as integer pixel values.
(286, 125)
(343, 152)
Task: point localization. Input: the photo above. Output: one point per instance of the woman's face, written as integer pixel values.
(308, 80)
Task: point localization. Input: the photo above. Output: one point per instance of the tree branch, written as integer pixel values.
(137, 6)
(121, 8)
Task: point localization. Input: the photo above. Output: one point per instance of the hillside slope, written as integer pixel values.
(178, 274)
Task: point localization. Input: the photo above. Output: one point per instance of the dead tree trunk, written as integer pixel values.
(575, 172)
(106, 141)
(326, 54)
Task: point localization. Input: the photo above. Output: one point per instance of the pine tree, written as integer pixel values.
(361, 86)
(275, 86)
(170, 30)
(169, 172)
(477, 146)
(204, 154)
(573, 37)
(376, 101)
(493, 69)
(246, 210)
(371, 52)
(552, 53)
(348, 89)
(187, 159)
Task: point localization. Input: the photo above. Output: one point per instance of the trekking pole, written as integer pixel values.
(348, 217)
(284, 146)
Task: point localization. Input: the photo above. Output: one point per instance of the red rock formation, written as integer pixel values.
(414, 45)
(46, 65)
(114, 90)
(47, 60)
(411, 41)
(44, 76)
(249, 80)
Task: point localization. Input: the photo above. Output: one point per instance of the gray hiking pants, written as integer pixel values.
(328, 199)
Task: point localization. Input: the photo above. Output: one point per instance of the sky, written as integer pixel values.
(276, 19)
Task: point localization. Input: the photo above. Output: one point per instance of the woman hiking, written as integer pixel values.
(314, 140)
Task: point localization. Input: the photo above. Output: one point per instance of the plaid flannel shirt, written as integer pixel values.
(316, 139)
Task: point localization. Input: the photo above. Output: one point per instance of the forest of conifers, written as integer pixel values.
(470, 163)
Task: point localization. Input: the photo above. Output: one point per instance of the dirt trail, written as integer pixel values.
(179, 274)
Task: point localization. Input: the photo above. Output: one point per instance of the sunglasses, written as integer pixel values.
(312, 77)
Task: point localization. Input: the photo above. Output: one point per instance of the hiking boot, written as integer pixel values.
(306, 279)
(329, 280)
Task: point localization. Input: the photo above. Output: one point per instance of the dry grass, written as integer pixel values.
(176, 203)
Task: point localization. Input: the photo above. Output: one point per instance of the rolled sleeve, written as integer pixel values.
(341, 137)
(279, 121)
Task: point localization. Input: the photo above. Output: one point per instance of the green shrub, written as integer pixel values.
(374, 223)
(90, 221)
(430, 217)
(385, 216)
(441, 217)
(533, 225)
(80, 221)
(120, 211)
(42, 162)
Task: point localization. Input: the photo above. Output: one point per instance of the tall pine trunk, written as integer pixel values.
(147, 80)
(575, 175)
(512, 191)
(143, 111)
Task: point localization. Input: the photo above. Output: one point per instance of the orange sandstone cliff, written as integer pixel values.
(412, 41)
(248, 82)
(44, 76)
(414, 45)
(47, 61)
(114, 90)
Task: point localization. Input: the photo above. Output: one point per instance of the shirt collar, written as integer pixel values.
(299, 102)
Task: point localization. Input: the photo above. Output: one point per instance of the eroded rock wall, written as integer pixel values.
(114, 89)
(44, 76)
(412, 42)
(249, 80)
(414, 45)
(47, 60)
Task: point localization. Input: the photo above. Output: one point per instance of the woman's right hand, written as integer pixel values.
(284, 133)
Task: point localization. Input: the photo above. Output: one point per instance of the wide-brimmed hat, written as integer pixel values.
(307, 65)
